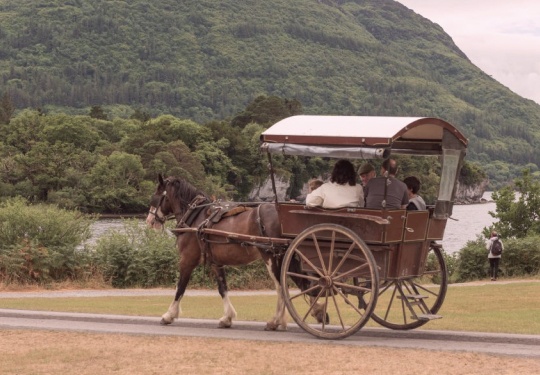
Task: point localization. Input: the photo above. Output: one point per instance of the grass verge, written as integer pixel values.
(505, 308)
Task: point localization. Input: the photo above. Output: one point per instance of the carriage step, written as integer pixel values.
(428, 316)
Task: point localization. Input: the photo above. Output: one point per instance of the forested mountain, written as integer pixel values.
(206, 60)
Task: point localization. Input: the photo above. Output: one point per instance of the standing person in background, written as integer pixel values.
(495, 247)
(340, 191)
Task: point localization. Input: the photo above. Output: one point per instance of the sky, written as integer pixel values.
(501, 37)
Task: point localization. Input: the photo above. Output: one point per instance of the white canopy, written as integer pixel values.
(362, 131)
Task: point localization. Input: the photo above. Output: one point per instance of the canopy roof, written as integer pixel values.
(411, 135)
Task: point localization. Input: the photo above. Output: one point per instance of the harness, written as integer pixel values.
(215, 212)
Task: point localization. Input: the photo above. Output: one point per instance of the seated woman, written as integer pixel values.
(416, 202)
(340, 191)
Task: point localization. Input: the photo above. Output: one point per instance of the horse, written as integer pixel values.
(194, 210)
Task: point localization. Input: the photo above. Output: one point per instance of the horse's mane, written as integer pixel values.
(184, 191)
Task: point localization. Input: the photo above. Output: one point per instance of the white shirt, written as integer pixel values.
(333, 195)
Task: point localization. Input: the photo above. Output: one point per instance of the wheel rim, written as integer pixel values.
(393, 311)
(339, 280)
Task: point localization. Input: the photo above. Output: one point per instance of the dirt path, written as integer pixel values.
(127, 345)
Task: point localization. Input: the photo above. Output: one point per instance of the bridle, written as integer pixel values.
(155, 210)
(193, 208)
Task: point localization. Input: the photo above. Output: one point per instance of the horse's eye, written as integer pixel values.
(154, 202)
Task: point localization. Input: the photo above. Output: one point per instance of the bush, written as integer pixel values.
(473, 263)
(40, 243)
(521, 257)
(137, 256)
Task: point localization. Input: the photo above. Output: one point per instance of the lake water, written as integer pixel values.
(469, 222)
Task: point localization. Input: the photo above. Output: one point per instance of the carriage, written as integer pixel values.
(338, 268)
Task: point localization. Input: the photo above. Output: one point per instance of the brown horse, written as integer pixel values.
(194, 211)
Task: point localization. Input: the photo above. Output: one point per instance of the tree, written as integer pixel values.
(518, 217)
(267, 110)
(97, 112)
(114, 183)
(6, 109)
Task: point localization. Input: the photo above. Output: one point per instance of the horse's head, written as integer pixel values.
(160, 205)
(172, 198)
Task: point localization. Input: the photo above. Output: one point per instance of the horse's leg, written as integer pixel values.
(186, 267)
(229, 313)
(318, 311)
(174, 309)
(279, 319)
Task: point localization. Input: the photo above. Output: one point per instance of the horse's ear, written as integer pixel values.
(160, 179)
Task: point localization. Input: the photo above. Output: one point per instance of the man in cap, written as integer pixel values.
(366, 173)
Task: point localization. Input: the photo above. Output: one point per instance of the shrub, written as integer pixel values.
(137, 256)
(521, 257)
(40, 243)
(473, 263)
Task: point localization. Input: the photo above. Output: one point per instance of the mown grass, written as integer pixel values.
(496, 307)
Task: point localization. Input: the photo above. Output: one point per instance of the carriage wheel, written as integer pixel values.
(409, 303)
(330, 281)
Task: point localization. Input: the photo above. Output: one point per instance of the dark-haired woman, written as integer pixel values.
(416, 202)
(340, 191)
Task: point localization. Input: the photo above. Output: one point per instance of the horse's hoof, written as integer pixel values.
(224, 325)
(319, 317)
(164, 322)
(271, 327)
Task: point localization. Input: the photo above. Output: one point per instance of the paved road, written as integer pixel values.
(498, 344)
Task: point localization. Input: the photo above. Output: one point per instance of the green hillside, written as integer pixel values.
(206, 60)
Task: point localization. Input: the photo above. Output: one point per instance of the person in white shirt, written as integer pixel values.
(340, 191)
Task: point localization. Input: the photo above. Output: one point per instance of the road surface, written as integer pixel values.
(487, 343)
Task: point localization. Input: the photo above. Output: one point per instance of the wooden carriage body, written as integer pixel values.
(358, 263)
(399, 239)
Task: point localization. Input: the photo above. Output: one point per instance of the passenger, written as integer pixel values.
(340, 191)
(314, 183)
(366, 173)
(387, 191)
(416, 202)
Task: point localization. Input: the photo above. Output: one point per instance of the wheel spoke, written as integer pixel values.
(338, 312)
(302, 276)
(313, 303)
(353, 270)
(419, 295)
(426, 290)
(332, 248)
(319, 253)
(391, 302)
(305, 292)
(348, 301)
(338, 267)
(305, 259)
(354, 287)
(330, 254)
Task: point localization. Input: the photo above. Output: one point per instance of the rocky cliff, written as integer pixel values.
(470, 193)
